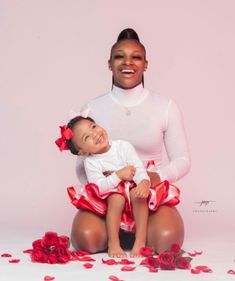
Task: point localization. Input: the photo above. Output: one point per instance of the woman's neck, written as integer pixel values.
(128, 97)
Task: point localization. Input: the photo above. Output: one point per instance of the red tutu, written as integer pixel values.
(89, 198)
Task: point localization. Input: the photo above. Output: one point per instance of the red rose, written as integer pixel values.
(61, 252)
(146, 252)
(169, 266)
(152, 262)
(182, 263)
(50, 239)
(165, 258)
(175, 248)
(38, 255)
(64, 240)
(37, 244)
(52, 259)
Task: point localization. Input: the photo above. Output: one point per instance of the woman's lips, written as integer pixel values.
(127, 73)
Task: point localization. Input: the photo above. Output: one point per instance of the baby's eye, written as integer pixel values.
(93, 126)
(137, 57)
(118, 56)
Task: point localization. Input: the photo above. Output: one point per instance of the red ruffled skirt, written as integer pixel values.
(89, 198)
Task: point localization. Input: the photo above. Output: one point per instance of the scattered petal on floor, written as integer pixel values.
(207, 270)
(85, 259)
(88, 265)
(126, 261)
(195, 271)
(28, 251)
(127, 268)
(6, 255)
(109, 261)
(114, 278)
(14, 260)
(231, 271)
(48, 278)
(201, 267)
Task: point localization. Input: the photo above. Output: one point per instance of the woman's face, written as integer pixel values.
(127, 62)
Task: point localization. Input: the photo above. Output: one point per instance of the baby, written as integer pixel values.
(107, 164)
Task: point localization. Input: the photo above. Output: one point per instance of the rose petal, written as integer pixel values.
(198, 253)
(14, 261)
(82, 253)
(231, 271)
(201, 267)
(48, 278)
(109, 261)
(114, 278)
(6, 255)
(152, 269)
(126, 261)
(85, 259)
(195, 271)
(28, 251)
(191, 254)
(207, 270)
(127, 268)
(88, 265)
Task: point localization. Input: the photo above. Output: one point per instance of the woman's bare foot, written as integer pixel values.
(115, 251)
(135, 252)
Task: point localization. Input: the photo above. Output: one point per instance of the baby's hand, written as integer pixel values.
(142, 189)
(127, 173)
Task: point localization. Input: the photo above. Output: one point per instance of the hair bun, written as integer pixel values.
(128, 33)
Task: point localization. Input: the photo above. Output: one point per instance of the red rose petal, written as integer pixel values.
(195, 271)
(109, 261)
(14, 261)
(126, 261)
(152, 269)
(231, 271)
(88, 265)
(114, 278)
(198, 253)
(48, 278)
(82, 253)
(201, 267)
(28, 251)
(127, 268)
(6, 255)
(85, 259)
(207, 270)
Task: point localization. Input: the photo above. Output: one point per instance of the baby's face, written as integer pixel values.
(90, 138)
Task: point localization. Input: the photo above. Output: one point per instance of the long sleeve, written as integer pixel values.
(133, 159)
(95, 175)
(176, 146)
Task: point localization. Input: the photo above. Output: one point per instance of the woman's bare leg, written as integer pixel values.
(141, 213)
(89, 232)
(116, 203)
(165, 227)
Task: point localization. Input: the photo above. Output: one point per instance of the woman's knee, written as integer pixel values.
(89, 240)
(88, 232)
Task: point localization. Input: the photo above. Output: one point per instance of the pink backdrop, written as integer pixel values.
(54, 57)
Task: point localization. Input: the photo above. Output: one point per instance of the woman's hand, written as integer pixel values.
(154, 178)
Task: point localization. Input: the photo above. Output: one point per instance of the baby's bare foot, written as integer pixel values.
(115, 251)
(135, 252)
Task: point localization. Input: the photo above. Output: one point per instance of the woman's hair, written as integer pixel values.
(70, 125)
(128, 34)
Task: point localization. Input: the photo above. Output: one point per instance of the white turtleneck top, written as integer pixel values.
(150, 122)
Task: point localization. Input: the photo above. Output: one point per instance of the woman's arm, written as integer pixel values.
(176, 146)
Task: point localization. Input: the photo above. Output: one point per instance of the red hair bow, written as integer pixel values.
(66, 134)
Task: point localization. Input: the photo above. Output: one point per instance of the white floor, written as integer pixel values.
(218, 254)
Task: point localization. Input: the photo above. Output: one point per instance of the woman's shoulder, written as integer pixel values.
(99, 99)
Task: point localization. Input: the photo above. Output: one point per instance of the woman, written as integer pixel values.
(150, 122)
